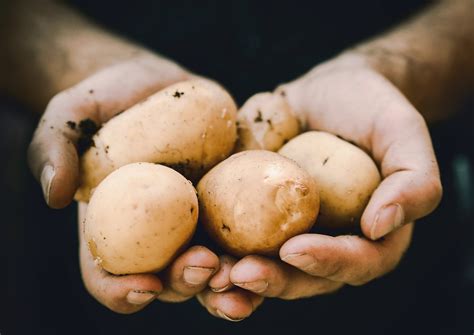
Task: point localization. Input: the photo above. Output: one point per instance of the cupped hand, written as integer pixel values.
(54, 160)
(346, 97)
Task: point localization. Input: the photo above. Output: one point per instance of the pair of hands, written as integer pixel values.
(344, 96)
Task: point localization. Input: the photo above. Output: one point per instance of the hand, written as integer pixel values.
(53, 158)
(348, 98)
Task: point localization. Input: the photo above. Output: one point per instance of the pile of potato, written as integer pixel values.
(138, 178)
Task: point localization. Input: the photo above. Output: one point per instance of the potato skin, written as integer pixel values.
(266, 122)
(254, 201)
(346, 176)
(139, 217)
(189, 126)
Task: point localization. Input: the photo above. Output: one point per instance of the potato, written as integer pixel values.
(266, 121)
(139, 217)
(189, 126)
(254, 201)
(346, 176)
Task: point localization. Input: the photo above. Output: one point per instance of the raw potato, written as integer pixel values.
(254, 201)
(266, 121)
(139, 217)
(189, 126)
(346, 176)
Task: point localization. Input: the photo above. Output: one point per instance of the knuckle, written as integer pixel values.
(334, 288)
(56, 101)
(363, 278)
(288, 292)
(417, 119)
(381, 267)
(70, 100)
(369, 271)
(434, 189)
(330, 269)
(328, 266)
(390, 265)
(280, 290)
(328, 287)
(265, 268)
(319, 266)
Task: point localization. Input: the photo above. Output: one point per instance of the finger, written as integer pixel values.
(270, 278)
(72, 117)
(121, 294)
(411, 187)
(220, 282)
(189, 274)
(234, 305)
(349, 259)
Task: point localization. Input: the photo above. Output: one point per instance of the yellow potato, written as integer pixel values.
(266, 122)
(189, 126)
(254, 201)
(139, 217)
(346, 175)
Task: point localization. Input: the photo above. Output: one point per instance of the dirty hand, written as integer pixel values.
(69, 119)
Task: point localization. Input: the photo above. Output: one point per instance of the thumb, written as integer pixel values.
(52, 154)
(411, 187)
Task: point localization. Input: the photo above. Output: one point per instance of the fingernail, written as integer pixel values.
(225, 316)
(299, 260)
(387, 219)
(138, 297)
(220, 289)
(257, 286)
(47, 176)
(196, 275)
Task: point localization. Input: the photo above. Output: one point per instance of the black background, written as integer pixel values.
(249, 46)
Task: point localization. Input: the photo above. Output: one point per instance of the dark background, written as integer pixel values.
(249, 46)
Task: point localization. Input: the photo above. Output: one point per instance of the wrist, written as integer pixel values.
(433, 79)
(429, 58)
(395, 66)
